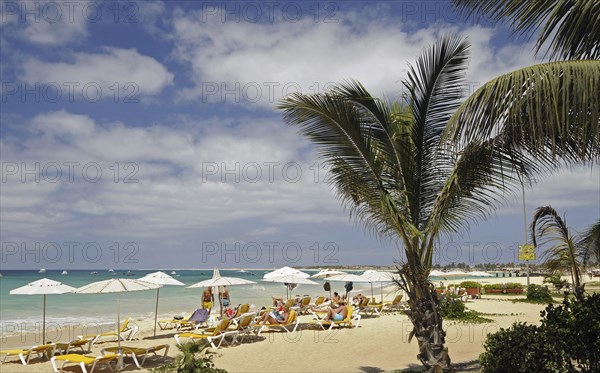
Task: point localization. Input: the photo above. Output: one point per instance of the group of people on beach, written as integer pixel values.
(336, 306)
(208, 298)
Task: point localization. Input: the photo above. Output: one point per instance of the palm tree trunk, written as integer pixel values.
(427, 321)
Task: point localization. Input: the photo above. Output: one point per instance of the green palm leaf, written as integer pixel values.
(550, 110)
(571, 27)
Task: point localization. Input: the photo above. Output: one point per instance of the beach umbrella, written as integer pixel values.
(218, 280)
(159, 278)
(291, 279)
(377, 276)
(348, 277)
(325, 273)
(436, 273)
(43, 287)
(118, 286)
(480, 274)
(283, 271)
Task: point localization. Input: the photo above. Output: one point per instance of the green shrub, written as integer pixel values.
(470, 285)
(575, 326)
(568, 340)
(452, 308)
(521, 348)
(539, 294)
(512, 285)
(492, 286)
(194, 359)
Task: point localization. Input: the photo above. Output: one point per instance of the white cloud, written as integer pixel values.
(172, 191)
(134, 73)
(46, 22)
(373, 48)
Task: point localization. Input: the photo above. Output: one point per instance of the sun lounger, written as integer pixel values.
(25, 354)
(394, 305)
(65, 348)
(351, 316)
(197, 319)
(290, 326)
(245, 326)
(82, 361)
(211, 335)
(139, 352)
(126, 333)
(303, 307)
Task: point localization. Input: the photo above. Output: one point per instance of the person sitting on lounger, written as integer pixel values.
(336, 314)
(275, 317)
(336, 298)
(360, 300)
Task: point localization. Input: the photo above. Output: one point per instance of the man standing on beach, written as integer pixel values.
(207, 299)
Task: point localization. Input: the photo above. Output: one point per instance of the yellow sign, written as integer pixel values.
(526, 252)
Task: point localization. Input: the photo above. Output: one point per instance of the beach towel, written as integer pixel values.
(199, 316)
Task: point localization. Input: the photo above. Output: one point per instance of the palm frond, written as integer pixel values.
(550, 110)
(435, 87)
(349, 130)
(589, 243)
(572, 27)
(552, 231)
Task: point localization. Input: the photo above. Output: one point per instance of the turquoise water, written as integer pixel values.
(23, 313)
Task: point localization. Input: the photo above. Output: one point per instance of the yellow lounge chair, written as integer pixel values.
(394, 305)
(137, 352)
(64, 348)
(291, 321)
(82, 361)
(173, 323)
(319, 301)
(211, 335)
(303, 307)
(25, 354)
(347, 321)
(245, 326)
(126, 333)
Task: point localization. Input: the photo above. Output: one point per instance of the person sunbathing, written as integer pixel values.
(274, 317)
(336, 314)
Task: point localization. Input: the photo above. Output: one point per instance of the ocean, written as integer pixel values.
(23, 313)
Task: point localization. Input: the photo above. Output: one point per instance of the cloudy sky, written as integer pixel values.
(143, 134)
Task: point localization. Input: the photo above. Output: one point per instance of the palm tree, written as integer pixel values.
(426, 166)
(566, 252)
(569, 28)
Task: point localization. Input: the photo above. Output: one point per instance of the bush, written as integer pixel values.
(521, 348)
(512, 285)
(452, 308)
(575, 326)
(470, 285)
(194, 359)
(568, 340)
(539, 294)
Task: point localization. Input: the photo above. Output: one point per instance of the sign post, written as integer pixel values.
(527, 253)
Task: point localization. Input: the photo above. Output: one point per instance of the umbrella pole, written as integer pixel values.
(373, 298)
(381, 284)
(156, 311)
(44, 323)
(120, 359)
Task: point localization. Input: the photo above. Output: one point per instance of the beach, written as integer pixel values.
(379, 344)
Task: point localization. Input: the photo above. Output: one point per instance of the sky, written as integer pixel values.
(143, 134)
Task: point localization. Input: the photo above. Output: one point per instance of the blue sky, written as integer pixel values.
(151, 128)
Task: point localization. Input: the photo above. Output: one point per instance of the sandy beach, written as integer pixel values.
(379, 344)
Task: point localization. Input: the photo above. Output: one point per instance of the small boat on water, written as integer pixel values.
(173, 273)
(64, 272)
(93, 273)
(111, 270)
(129, 273)
(42, 270)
